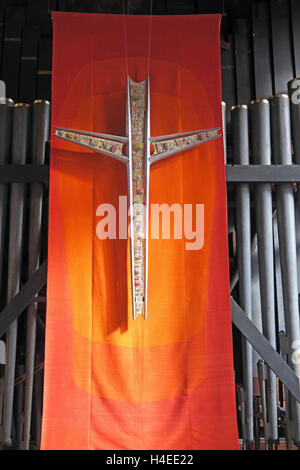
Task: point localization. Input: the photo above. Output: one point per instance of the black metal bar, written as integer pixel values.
(295, 16)
(265, 350)
(262, 50)
(44, 74)
(2, 9)
(281, 45)
(27, 293)
(228, 80)
(24, 173)
(28, 66)
(262, 173)
(242, 47)
(10, 67)
(234, 173)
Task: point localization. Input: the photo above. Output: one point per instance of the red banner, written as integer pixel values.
(112, 382)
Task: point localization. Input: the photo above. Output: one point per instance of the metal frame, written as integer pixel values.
(31, 173)
(24, 173)
(263, 173)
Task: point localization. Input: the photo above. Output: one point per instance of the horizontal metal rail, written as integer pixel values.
(24, 173)
(263, 173)
(234, 173)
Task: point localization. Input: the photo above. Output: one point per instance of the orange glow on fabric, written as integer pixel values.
(112, 382)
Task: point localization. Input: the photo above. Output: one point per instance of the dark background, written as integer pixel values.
(260, 52)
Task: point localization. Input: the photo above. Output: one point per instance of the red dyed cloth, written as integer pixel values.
(112, 382)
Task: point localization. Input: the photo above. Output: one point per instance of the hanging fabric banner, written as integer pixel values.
(138, 334)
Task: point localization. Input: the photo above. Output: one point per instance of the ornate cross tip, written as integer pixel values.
(107, 144)
(138, 159)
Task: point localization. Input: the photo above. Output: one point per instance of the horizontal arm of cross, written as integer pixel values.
(110, 145)
(167, 145)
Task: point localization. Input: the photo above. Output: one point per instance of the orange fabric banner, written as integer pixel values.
(112, 382)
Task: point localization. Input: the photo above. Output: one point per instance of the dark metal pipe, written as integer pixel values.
(6, 107)
(282, 154)
(294, 96)
(20, 144)
(240, 153)
(39, 136)
(261, 154)
(256, 306)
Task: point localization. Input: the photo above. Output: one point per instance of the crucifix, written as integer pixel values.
(142, 151)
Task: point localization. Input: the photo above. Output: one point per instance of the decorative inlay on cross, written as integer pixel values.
(138, 159)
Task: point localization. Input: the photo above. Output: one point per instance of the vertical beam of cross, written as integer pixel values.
(138, 160)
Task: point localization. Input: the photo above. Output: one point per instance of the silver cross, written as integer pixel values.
(138, 160)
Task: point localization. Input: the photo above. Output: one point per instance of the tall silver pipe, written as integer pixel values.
(294, 95)
(256, 306)
(278, 277)
(261, 154)
(20, 143)
(262, 377)
(240, 152)
(39, 135)
(282, 154)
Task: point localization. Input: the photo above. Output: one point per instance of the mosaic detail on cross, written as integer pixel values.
(177, 144)
(138, 105)
(89, 141)
(138, 159)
